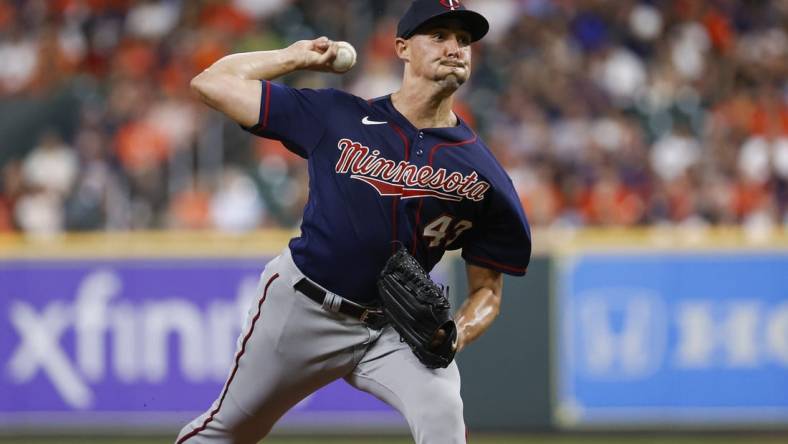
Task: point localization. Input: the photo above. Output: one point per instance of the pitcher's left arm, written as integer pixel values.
(481, 308)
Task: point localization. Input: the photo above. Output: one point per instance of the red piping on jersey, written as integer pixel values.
(235, 368)
(441, 145)
(267, 103)
(395, 200)
(433, 150)
(498, 264)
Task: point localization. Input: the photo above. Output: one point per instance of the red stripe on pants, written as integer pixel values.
(235, 368)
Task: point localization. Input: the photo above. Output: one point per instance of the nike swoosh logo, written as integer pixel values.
(366, 121)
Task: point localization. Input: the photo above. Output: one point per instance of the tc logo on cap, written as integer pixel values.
(451, 4)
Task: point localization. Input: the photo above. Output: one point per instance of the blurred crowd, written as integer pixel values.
(604, 112)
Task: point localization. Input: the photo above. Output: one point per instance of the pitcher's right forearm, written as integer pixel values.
(232, 84)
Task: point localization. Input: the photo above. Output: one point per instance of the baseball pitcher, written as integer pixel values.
(394, 182)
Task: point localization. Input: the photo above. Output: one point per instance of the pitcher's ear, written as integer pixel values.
(402, 48)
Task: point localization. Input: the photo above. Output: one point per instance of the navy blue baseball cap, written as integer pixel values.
(423, 12)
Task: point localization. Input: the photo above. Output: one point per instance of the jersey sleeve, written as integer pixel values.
(296, 117)
(502, 241)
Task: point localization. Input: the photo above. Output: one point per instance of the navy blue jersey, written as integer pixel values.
(374, 178)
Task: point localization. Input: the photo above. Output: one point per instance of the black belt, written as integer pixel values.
(373, 317)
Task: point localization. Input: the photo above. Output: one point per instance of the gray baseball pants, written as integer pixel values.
(290, 347)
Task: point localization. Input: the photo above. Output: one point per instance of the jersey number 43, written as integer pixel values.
(445, 229)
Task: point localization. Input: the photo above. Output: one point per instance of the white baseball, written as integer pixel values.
(346, 57)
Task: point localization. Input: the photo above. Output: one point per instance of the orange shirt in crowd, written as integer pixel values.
(140, 146)
(191, 210)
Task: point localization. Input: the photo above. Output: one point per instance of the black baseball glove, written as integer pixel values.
(417, 308)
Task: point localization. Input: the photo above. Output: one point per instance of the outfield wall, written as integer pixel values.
(138, 332)
(611, 329)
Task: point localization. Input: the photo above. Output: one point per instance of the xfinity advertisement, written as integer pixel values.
(136, 342)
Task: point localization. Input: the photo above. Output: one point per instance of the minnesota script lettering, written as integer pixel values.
(403, 179)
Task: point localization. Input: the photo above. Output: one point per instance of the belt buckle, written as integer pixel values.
(376, 324)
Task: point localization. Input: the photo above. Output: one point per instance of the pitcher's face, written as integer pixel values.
(441, 52)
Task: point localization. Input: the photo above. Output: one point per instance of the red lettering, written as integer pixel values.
(383, 167)
(364, 164)
(467, 182)
(452, 182)
(438, 178)
(351, 152)
(357, 159)
(476, 192)
(424, 175)
(410, 172)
